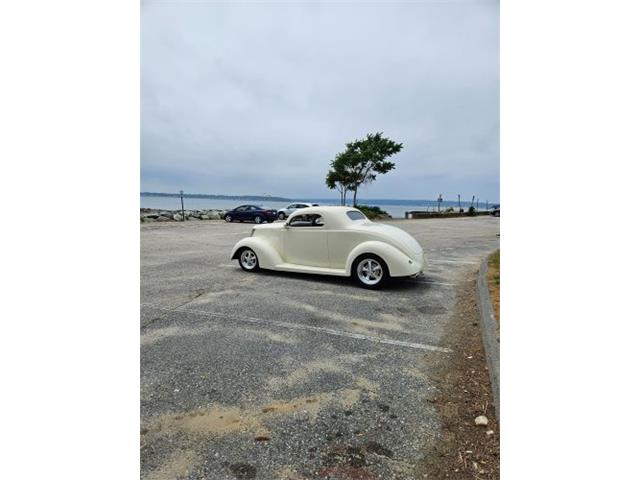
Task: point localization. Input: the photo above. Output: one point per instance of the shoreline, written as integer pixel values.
(153, 215)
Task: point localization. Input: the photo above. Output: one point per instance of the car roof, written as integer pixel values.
(335, 215)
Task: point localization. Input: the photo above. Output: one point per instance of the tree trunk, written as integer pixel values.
(355, 194)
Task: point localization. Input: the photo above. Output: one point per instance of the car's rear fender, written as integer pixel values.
(268, 257)
(399, 264)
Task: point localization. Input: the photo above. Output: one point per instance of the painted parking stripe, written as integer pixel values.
(427, 282)
(295, 326)
(461, 262)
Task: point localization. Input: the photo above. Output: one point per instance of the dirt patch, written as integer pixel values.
(179, 464)
(463, 450)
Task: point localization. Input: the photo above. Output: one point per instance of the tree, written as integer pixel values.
(335, 181)
(360, 164)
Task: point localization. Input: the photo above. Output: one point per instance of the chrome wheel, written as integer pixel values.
(227, 218)
(370, 271)
(258, 219)
(281, 216)
(248, 260)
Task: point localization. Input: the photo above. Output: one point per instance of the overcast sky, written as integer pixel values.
(255, 98)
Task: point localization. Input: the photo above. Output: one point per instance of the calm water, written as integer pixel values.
(394, 207)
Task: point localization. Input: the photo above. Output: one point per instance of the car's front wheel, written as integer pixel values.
(281, 215)
(258, 219)
(370, 271)
(248, 260)
(228, 219)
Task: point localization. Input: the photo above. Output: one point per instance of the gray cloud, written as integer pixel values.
(258, 98)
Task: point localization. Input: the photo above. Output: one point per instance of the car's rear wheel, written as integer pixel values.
(248, 260)
(370, 271)
(281, 215)
(228, 218)
(258, 219)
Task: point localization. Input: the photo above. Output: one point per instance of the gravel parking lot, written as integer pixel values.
(288, 376)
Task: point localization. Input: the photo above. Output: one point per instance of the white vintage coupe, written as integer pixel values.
(332, 241)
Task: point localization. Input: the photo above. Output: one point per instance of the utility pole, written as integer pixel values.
(182, 203)
(439, 201)
(459, 207)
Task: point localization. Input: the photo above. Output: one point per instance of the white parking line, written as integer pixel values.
(427, 282)
(277, 323)
(461, 262)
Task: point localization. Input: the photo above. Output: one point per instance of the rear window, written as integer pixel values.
(356, 215)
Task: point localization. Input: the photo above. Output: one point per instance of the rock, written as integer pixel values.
(177, 217)
(482, 421)
(489, 432)
(162, 218)
(204, 217)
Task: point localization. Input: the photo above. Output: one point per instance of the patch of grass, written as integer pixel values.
(493, 279)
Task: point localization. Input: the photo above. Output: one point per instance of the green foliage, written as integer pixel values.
(360, 163)
(472, 211)
(373, 212)
(339, 178)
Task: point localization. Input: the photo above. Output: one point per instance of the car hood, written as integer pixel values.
(395, 235)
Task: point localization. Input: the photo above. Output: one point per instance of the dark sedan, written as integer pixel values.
(250, 213)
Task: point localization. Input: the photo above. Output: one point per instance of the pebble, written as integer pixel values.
(482, 420)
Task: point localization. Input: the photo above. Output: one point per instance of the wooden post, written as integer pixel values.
(182, 203)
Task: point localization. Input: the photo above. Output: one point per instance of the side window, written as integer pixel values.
(241, 209)
(307, 220)
(356, 215)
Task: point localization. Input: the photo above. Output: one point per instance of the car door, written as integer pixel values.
(291, 208)
(250, 213)
(240, 213)
(305, 241)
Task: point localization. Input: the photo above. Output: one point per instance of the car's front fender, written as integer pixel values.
(399, 264)
(268, 257)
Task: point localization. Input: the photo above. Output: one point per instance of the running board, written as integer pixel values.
(292, 267)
